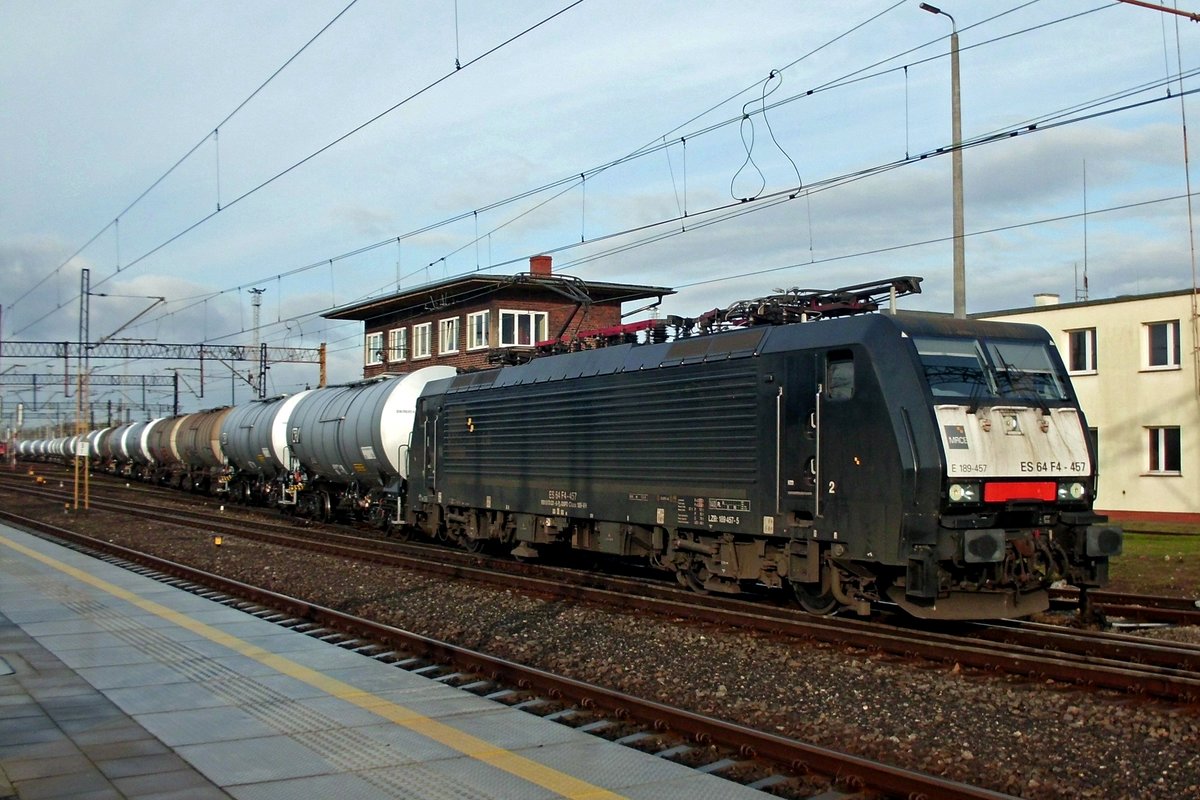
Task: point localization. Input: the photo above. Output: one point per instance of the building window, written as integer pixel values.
(398, 344)
(1165, 453)
(421, 344)
(1081, 346)
(522, 328)
(1162, 344)
(374, 354)
(477, 330)
(448, 336)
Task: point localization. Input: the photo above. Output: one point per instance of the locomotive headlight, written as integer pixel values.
(964, 492)
(1073, 491)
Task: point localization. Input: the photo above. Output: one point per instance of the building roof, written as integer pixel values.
(462, 290)
(1125, 298)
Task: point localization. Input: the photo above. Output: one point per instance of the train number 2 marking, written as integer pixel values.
(832, 487)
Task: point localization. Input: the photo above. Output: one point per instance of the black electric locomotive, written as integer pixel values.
(942, 464)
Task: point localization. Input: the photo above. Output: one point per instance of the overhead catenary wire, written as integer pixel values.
(1048, 122)
(458, 67)
(477, 294)
(186, 156)
(852, 77)
(737, 209)
(397, 239)
(433, 84)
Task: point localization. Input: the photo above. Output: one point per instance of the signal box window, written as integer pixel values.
(421, 340)
(839, 376)
(397, 344)
(477, 330)
(448, 336)
(522, 328)
(1162, 344)
(1165, 452)
(374, 354)
(1081, 346)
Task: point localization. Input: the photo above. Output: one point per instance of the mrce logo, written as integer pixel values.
(956, 437)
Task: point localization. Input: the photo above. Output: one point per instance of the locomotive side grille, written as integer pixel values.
(661, 426)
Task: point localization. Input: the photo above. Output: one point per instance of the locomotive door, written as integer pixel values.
(429, 448)
(838, 432)
(798, 463)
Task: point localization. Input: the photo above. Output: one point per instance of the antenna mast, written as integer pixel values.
(261, 383)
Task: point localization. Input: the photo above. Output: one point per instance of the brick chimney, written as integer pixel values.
(540, 265)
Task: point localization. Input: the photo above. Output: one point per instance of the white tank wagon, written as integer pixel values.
(134, 448)
(350, 446)
(95, 440)
(66, 447)
(29, 449)
(110, 448)
(254, 440)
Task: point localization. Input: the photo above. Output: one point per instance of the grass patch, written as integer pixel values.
(1155, 563)
(1147, 526)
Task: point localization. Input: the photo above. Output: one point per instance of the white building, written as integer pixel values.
(1133, 361)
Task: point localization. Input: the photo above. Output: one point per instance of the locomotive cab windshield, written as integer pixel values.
(987, 370)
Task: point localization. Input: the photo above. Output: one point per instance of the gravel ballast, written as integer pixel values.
(1022, 737)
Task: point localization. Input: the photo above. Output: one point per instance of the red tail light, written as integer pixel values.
(1023, 490)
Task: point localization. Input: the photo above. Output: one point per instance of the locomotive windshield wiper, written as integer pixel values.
(1022, 383)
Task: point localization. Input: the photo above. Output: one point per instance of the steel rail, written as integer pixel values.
(858, 772)
(1147, 607)
(1150, 667)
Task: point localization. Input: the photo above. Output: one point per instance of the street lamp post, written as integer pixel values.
(960, 255)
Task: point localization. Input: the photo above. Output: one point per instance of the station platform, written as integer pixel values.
(113, 685)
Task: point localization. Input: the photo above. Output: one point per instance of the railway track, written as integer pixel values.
(781, 766)
(1141, 607)
(1106, 660)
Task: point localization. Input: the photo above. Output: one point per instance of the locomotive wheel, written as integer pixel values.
(813, 600)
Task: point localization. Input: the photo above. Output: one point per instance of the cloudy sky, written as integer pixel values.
(405, 142)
